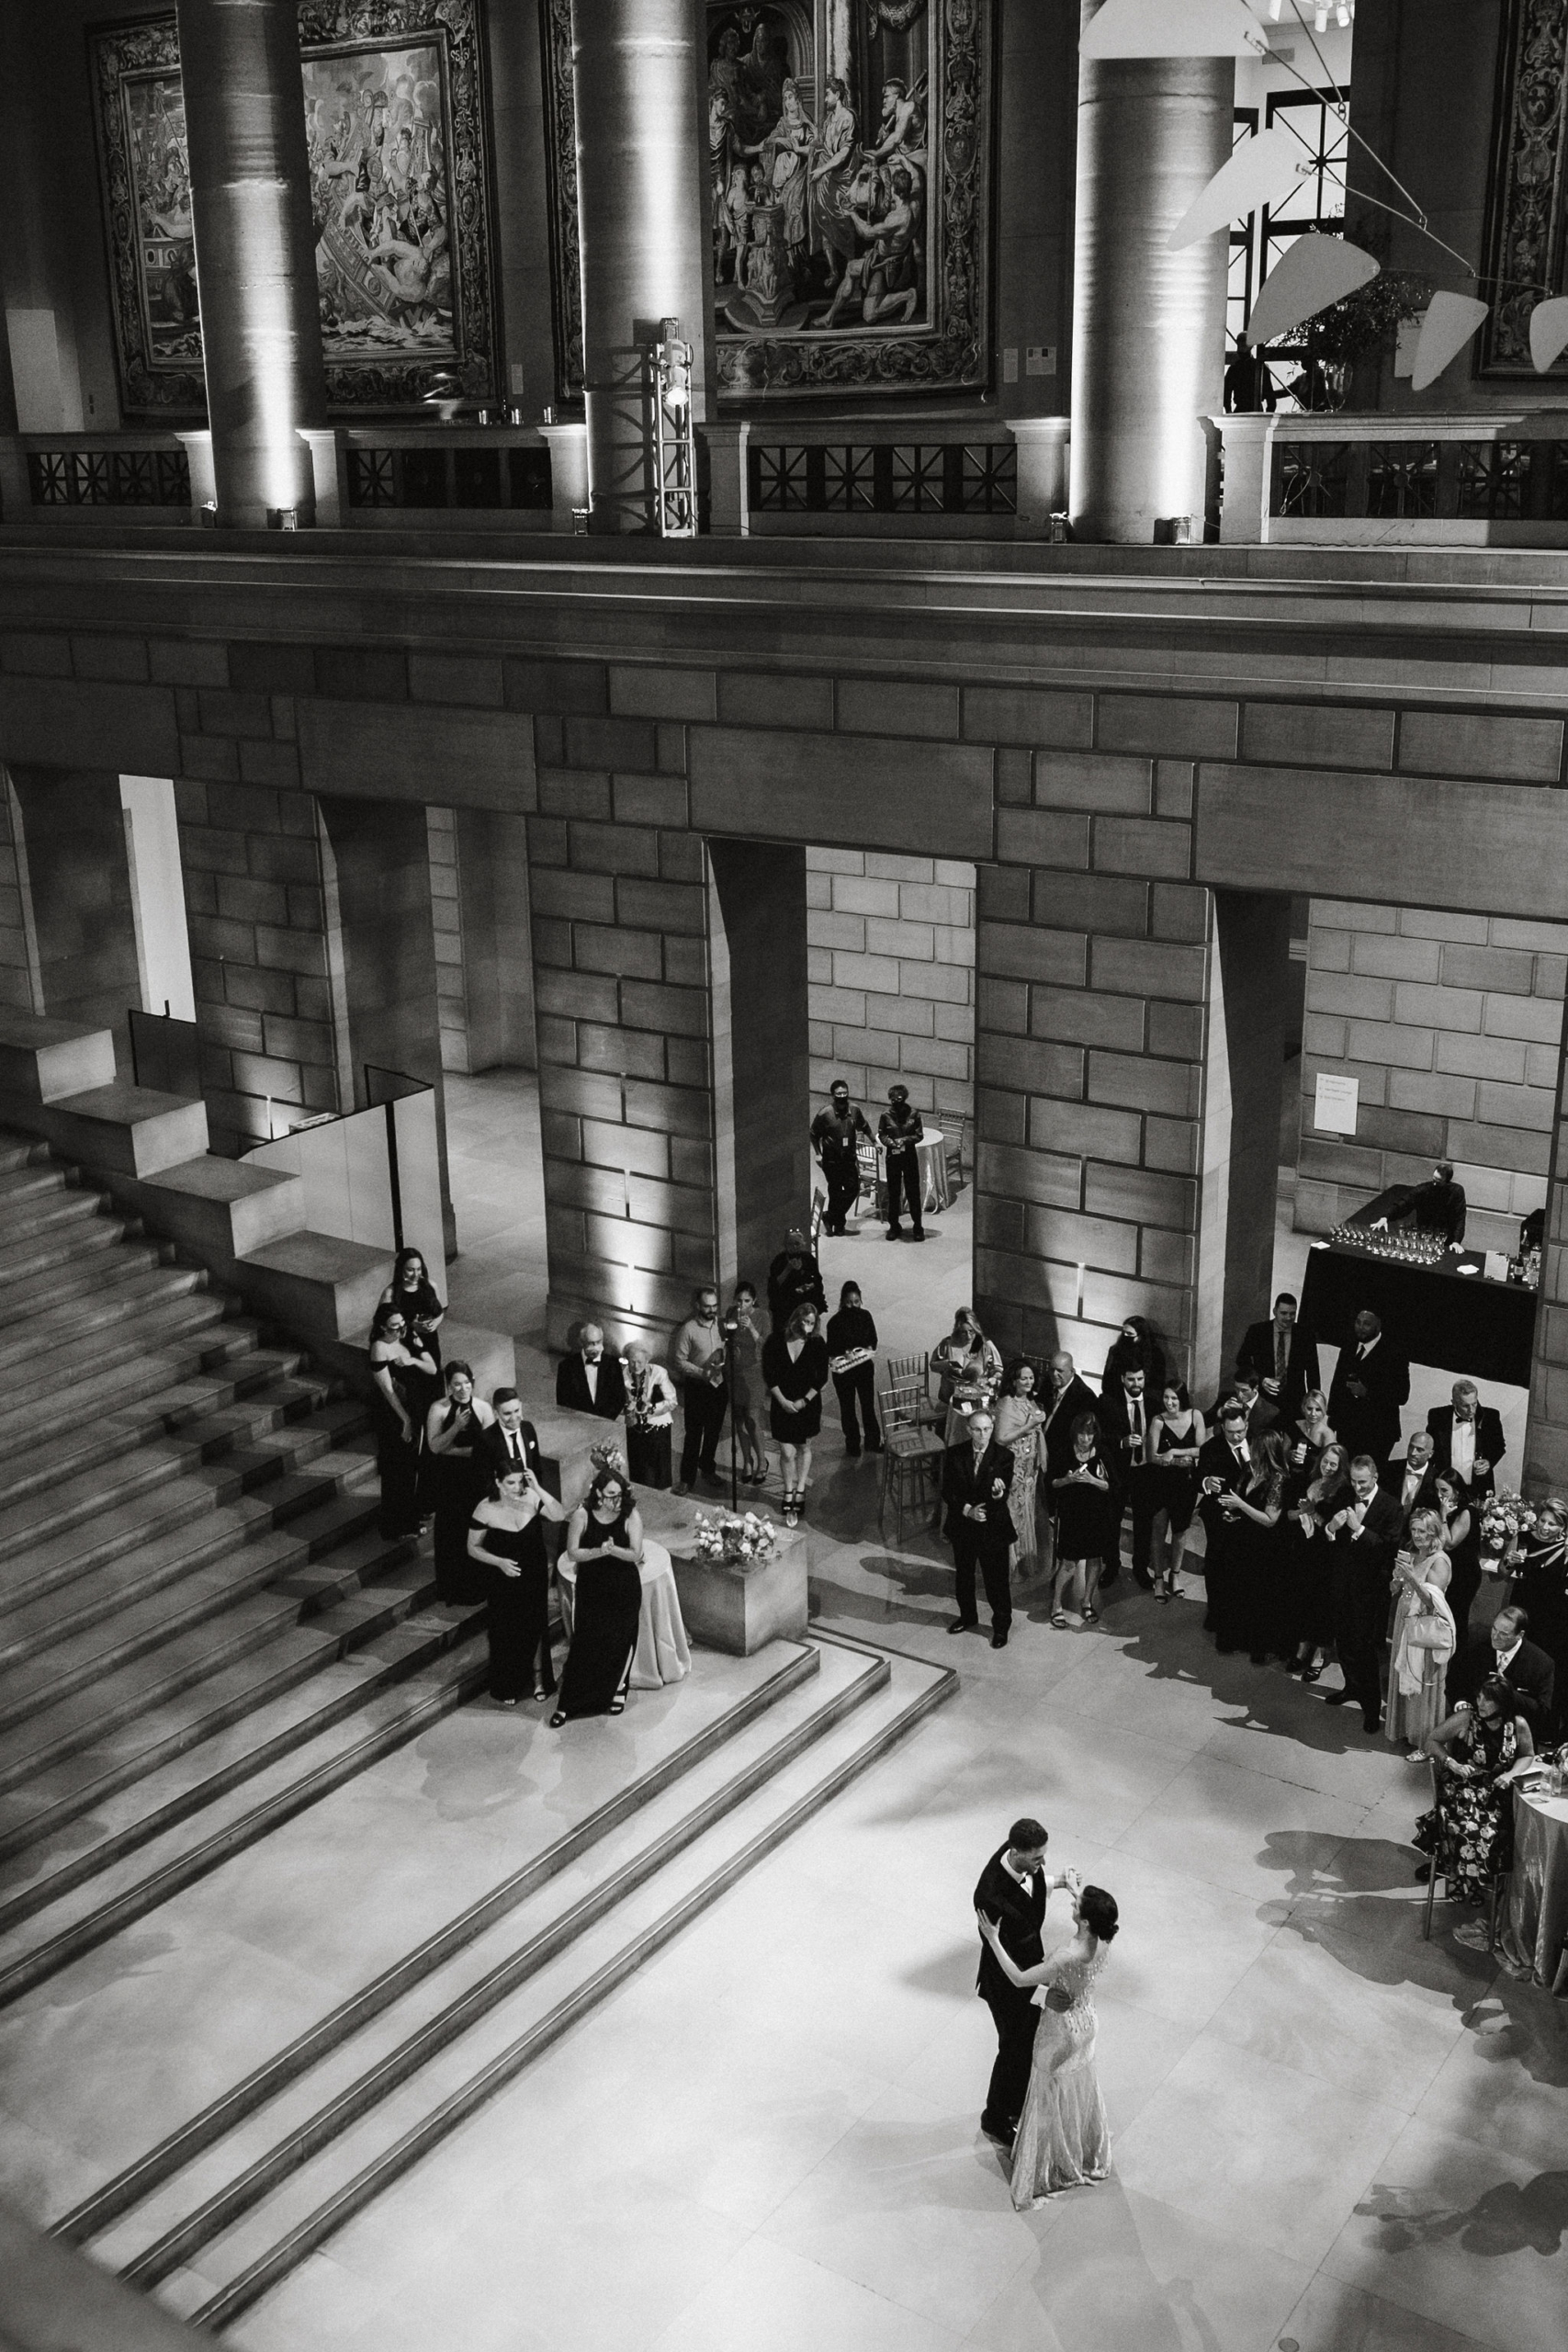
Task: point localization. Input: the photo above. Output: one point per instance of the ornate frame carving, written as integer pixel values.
(1525, 208)
(381, 380)
(952, 353)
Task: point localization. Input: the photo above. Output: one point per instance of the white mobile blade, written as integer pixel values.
(1263, 170)
(1549, 331)
(1313, 272)
(1450, 320)
(1172, 28)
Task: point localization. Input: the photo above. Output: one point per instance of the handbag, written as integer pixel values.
(1430, 1633)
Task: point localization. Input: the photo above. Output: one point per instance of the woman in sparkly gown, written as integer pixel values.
(1063, 2139)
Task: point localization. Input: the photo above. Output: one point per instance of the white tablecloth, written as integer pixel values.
(1538, 1899)
(662, 1653)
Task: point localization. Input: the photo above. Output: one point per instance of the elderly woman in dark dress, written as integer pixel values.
(795, 1371)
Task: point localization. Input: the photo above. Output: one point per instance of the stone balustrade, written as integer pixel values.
(1395, 479)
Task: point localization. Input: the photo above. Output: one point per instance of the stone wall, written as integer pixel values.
(892, 965)
(484, 971)
(19, 981)
(1452, 1025)
(89, 966)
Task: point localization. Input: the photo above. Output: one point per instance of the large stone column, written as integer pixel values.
(254, 254)
(1148, 325)
(641, 151)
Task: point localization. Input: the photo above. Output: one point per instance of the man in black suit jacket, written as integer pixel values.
(1066, 1399)
(1371, 1380)
(976, 1479)
(588, 1381)
(1282, 1357)
(1504, 1649)
(1468, 1439)
(1224, 1467)
(1413, 1483)
(510, 1439)
(1125, 1410)
(1012, 1892)
(1365, 1535)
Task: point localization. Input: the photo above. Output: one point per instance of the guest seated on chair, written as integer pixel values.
(1470, 1831)
(1281, 1356)
(589, 1380)
(1468, 1439)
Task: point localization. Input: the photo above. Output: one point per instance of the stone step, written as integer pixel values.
(231, 1571)
(555, 1799)
(20, 1151)
(307, 2182)
(227, 1452)
(97, 1310)
(63, 1361)
(231, 1349)
(77, 1837)
(92, 1228)
(266, 1389)
(98, 1270)
(20, 1185)
(152, 1548)
(153, 1702)
(83, 1917)
(48, 1210)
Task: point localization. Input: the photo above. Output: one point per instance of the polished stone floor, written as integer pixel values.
(1331, 2136)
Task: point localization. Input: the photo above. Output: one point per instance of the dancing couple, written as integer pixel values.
(1044, 2106)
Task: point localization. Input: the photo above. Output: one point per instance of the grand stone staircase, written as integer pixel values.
(275, 1915)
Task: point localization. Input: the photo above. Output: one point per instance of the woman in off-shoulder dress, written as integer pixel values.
(1064, 2138)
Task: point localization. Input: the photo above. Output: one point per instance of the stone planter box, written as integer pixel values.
(741, 1611)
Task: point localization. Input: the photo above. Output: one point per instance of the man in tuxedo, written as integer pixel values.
(511, 1441)
(1262, 1412)
(1504, 1649)
(1224, 1467)
(1281, 1356)
(1365, 1536)
(1124, 1418)
(1012, 1891)
(1371, 1380)
(1467, 1438)
(976, 1479)
(588, 1381)
(1413, 1483)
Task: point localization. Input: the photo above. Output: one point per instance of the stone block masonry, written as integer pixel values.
(868, 911)
(1451, 1023)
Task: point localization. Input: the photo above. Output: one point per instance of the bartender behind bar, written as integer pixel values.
(1438, 1206)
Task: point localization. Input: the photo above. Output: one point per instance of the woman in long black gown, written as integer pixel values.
(1461, 1541)
(401, 1374)
(1539, 1573)
(1249, 1613)
(456, 1476)
(506, 1540)
(604, 1543)
(1316, 1491)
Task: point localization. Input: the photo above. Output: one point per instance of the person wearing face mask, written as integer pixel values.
(1366, 1533)
(590, 1380)
(836, 1134)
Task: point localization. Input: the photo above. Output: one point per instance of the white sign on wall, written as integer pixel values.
(1338, 1099)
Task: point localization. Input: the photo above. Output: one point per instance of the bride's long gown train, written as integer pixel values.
(1064, 2138)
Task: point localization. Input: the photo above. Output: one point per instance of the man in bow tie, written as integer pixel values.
(589, 1380)
(1224, 1467)
(976, 1483)
(1467, 1438)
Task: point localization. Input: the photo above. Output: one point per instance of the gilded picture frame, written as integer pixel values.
(850, 171)
(394, 98)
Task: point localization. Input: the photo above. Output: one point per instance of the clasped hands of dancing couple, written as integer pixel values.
(1043, 2103)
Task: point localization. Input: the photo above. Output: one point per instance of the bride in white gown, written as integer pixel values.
(1063, 2139)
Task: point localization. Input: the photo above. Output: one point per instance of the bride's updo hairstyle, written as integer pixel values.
(1098, 1911)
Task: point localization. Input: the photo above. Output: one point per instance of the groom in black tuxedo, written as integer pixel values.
(1012, 1891)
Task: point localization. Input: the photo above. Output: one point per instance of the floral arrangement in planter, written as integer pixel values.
(609, 1457)
(1506, 1515)
(737, 1539)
